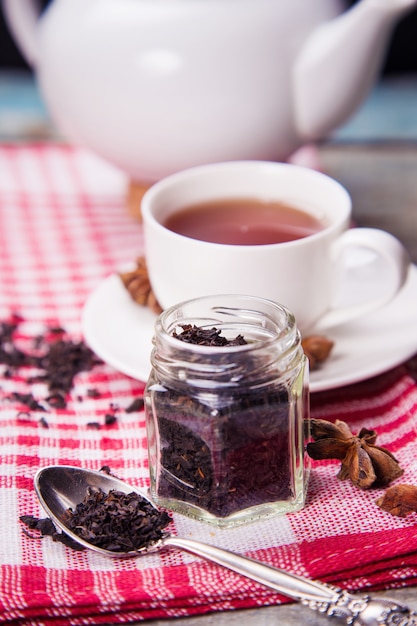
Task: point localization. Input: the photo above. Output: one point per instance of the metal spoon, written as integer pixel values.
(60, 487)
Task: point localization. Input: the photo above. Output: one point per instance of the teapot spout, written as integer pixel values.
(339, 63)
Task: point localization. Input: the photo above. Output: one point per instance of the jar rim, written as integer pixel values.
(274, 321)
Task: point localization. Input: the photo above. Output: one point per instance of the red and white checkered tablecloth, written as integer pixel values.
(63, 228)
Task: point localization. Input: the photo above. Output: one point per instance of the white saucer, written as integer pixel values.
(120, 333)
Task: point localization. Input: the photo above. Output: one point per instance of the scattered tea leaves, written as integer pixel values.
(62, 362)
(44, 525)
(136, 405)
(93, 393)
(59, 361)
(28, 400)
(46, 528)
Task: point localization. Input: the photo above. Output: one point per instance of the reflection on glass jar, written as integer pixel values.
(225, 421)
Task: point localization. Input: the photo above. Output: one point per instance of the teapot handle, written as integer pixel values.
(22, 19)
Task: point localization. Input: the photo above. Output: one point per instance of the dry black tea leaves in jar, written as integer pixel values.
(225, 405)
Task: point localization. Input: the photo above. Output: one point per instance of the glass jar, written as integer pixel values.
(225, 424)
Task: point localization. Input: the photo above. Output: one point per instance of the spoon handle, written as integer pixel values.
(360, 610)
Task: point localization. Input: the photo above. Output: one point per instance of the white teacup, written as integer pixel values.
(326, 278)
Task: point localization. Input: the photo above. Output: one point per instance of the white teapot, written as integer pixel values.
(155, 86)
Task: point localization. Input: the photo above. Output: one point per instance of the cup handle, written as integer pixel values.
(372, 266)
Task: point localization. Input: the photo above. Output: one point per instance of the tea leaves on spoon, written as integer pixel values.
(117, 521)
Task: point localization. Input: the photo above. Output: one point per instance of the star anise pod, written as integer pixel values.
(363, 462)
(399, 500)
(317, 348)
(138, 285)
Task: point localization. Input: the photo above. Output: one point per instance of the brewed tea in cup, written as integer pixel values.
(243, 221)
(273, 230)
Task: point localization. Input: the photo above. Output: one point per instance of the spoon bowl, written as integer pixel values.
(60, 487)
